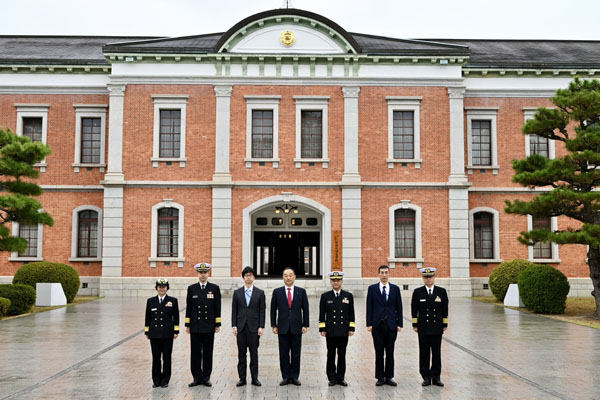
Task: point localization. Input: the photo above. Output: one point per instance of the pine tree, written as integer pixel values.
(573, 178)
(18, 154)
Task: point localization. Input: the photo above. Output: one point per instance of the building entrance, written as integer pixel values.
(276, 250)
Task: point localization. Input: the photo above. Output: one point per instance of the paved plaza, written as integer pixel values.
(97, 350)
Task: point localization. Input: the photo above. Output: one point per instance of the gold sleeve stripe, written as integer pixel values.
(218, 320)
(146, 329)
(187, 320)
(176, 327)
(321, 324)
(415, 320)
(445, 321)
(352, 324)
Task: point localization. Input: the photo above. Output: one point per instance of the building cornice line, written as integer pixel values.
(53, 90)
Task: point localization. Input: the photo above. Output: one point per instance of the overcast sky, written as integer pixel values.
(462, 19)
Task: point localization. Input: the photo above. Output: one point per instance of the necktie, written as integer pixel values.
(430, 291)
(248, 295)
(202, 287)
(160, 300)
(337, 294)
(384, 293)
(289, 297)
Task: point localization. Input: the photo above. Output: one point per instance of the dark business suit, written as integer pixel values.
(289, 322)
(385, 316)
(162, 323)
(202, 316)
(430, 317)
(247, 318)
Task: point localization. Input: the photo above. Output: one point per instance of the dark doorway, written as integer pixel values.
(274, 251)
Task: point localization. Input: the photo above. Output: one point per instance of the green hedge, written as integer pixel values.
(4, 306)
(505, 274)
(22, 298)
(48, 272)
(543, 289)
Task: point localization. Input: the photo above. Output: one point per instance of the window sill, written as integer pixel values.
(392, 161)
(27, 259)
(42, 166)
(178, 260)
(493, 168)
(485, 260)
(299, 161)
(85, 259)
(181, 161)
(249, 161)
(545, 260)
(77, 166)
(393, 261)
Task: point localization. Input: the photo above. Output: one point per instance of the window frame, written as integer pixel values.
(90, 111)
(262, 103)
(312, 103)
(153, 259)
(392, 259)
(496, 233)
(483, 113)
(554, 246)
(14, 256)
(75, 234)
(528, 113)
(34, 111)
(169, 102)
(404, 103)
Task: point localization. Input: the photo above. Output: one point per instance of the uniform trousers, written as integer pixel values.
(339, 344)
(161, 348)
(430, 349)
(384, 340)
(201, 345)
(247, 340)
(290, 347)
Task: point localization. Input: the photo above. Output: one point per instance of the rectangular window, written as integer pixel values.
(481, 142)
(29, 232)
(168, 232)
(539, 145)
(312, 134)
(483, 235)
(542, 249)
(170, 133)
(404, 222)
(262, 133)
(87, 240)
(91, 140)
(32, 128)
(403, 135)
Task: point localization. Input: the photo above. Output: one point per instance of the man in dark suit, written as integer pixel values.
(384, 321)
(429, 308)
(289, 320)
(162, 326)
(248, 321)
(336, 323)
(202, 321)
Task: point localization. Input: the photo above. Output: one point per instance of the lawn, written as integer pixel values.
(34, 309)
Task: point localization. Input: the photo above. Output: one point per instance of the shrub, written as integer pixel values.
(48, 272)
(4, 306)
(505, 274)
(543, 289)
(22, 298)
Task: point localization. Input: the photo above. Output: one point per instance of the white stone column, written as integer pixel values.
(351, 173)
(112, 232)
(221, 232)
(114, 173)
(457, 135)
(222, 172)
(351, 232)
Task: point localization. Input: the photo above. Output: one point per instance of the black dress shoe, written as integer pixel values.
(342, 383)
(391, 382)
(284, 382)
(331, 383)
(437, 382)
(296, 382)
(155, 385)
(195, 383)
(241, 382)
(207, 384)
(426, 382)
(379, 382)
(256, 382)
(164, 385)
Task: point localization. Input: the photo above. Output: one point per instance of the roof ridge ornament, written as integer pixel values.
(287, 4)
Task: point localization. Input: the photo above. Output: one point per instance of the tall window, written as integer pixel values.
(403, 134)
(483, 225)
(170, 133)
(542, 249)
(32, 128)
(539, 145)
(262, 133)
(404, 223)
(87, 238)
(312, 134)
(91, 139)
(29, 232)
(481, 142)
(168, 232)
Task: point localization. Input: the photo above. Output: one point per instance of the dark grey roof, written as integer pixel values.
(56, 49)
(182, 45)
(379, 45)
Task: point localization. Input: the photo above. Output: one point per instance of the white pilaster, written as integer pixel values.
(351, 134)
(351, 232)
(112, 233)
(459, 233)
(114, 172)
(221, 232)
(457, 135)
(223, 94)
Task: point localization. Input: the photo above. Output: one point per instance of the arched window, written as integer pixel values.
(168, 232)
(87, 234)
(405, 233)
(484, 235)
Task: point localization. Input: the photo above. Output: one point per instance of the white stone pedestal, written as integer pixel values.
(50, 294)
(512, 297)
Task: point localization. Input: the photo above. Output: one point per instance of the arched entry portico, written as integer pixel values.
(274, 238)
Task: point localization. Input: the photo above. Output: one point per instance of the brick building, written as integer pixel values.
(284, 141)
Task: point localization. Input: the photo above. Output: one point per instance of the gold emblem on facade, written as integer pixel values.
(288, 38)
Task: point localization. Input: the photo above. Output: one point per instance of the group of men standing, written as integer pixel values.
(290, 320)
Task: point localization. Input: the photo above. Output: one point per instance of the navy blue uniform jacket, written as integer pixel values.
(286, 319)
(379, 310)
